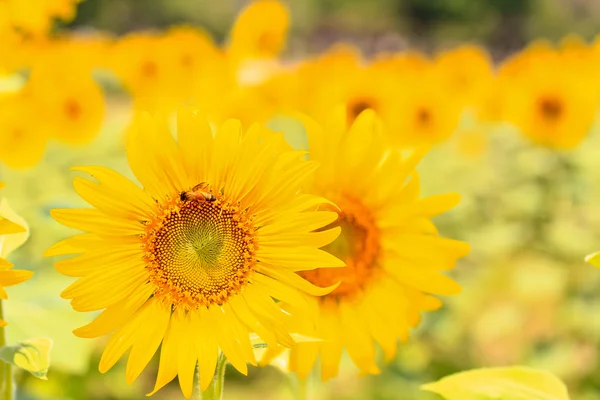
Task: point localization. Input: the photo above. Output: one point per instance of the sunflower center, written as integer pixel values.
(423, 116)
(358, 246)
(551, 108)
(149, 69)
(355, 107)
(199, 252)
(72, 109)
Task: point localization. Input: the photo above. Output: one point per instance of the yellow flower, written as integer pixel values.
(9, 276)
(196, 268)
(161, 71)
(260, 31)
(393, 253)
(36, 16)
(547, 99)
(427, 112)
(466, 73)
(22, 137)
(71, 102)
(340, 77)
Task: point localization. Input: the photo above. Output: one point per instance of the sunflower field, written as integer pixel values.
(295, 200)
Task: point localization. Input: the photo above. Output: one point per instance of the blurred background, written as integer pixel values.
(531, 212)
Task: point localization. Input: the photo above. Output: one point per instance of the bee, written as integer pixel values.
(198, 193)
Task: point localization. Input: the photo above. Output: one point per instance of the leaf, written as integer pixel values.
(593, 259)
(47, 315)
(511, 383)
(31, 355)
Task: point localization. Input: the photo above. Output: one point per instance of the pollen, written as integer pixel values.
(358, 246)
(199, 253)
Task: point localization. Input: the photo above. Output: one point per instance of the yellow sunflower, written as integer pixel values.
(466, 72)
(9, 276)
(427, 111)
(546, 98)
(394, 255)
(260, 31)
(22, 137)
(71, 102)
(340, 77)
(36, 16)
(195, 258)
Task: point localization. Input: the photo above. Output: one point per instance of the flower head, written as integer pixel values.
(545, 97)
(195, 258)
(260, 31)
(395, 258)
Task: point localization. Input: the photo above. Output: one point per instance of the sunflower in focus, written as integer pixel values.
(395, 258)
(547, 99)
(9, 276)
(195, 259)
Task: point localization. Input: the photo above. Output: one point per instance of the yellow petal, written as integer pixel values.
(94, 221)
(124, 338)
(291, 278)
(118, 314)
(145, 346)
(13, 277)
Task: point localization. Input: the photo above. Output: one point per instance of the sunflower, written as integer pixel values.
(546, 98)
(467, 73)
(71, 102)
(22, 138)
(36, 16)
(427, 112)
(9, 276)
(393, 253)
(196, 258)
(342, 77)
(260, 31)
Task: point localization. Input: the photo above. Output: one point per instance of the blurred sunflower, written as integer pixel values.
(259, 32)
(36, 16)
(547, 99)
(22, 139)
(426, 111)
(467, 73)
(71, 102)
(171, 258)
(143, 65)
(393, 253)
(9, 276)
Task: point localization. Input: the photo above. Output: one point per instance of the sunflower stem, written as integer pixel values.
(5, 368)
(215, 389)
(302, 389)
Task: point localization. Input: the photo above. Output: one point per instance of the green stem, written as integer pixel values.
(5, 368)
(302, 389)
(215, 389)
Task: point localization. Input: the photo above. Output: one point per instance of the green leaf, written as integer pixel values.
(593, 259)
(31, 355)
(512, 383)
